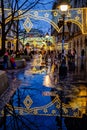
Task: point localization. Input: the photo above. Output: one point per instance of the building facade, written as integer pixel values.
(73, 34)
(77, 39)
(10, 40)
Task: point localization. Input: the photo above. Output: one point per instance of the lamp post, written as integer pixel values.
(63, 8)
(63, 16)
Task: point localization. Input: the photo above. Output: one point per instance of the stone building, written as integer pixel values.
(10, 41)
(77, 39)
(73, 34)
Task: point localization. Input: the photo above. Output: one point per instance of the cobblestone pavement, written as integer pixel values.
(14, 83)
(45, 93)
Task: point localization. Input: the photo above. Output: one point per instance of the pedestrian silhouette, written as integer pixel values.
(62, 70)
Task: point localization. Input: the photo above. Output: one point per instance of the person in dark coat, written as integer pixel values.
(62, 70)
(5, 60)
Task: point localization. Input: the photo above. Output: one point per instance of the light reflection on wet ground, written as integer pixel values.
(37, 89)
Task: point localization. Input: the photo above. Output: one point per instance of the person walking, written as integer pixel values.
(5, 60)
(12, 61)
(62, 70)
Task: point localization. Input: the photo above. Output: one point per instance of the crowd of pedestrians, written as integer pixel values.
(8, 58)
(59, 63)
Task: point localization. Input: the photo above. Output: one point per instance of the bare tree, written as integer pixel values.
(14, 7)
(7, 20)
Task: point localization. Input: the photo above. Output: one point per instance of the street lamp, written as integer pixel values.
(63, 8)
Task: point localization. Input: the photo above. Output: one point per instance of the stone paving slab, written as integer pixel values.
(14, 83)
(6, 96)
(3, 81)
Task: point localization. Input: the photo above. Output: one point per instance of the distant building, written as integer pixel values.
(11, 35)
(76, 40)
(59, 22)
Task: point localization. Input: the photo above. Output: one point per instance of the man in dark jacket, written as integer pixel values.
(62, 70)
(5, 60)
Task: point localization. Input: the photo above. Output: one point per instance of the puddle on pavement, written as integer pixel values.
(40, 104)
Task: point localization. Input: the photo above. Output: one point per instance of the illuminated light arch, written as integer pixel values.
(47, 109)
(75, 15)
(83, 27)
(53, 23)
(42, 18)
(75, 22)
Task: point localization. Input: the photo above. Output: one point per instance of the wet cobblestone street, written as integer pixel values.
(6, 96)
(35, 101)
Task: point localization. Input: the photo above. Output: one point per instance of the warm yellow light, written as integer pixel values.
(47, 35)
(63, 8)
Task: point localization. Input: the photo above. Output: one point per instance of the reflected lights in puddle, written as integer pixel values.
(47, 81)
(80, 101)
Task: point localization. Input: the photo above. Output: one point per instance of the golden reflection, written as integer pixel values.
(47, 81)
(80, 100)
(36, 66)
(37, 60)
